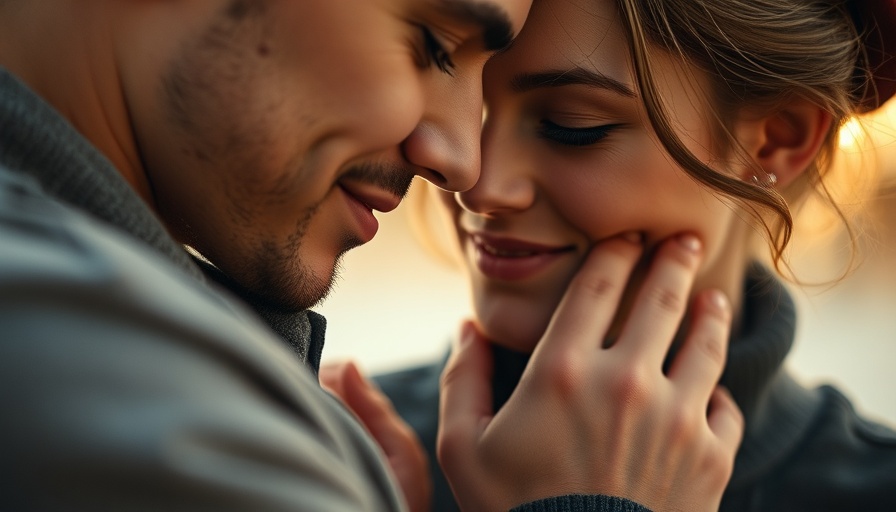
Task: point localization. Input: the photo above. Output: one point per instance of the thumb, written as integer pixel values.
(466, 395)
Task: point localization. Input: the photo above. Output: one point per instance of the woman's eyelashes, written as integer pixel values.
(435, 53)
(574, 136)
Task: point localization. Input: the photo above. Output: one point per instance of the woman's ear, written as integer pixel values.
(783, 142)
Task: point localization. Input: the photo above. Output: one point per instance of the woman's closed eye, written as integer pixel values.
(569, 136)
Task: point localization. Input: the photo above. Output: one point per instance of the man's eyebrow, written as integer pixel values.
(497, 30)
(524, 82)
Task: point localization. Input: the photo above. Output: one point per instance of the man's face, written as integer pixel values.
(271, 129)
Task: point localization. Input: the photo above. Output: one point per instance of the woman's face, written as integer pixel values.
(569, 159)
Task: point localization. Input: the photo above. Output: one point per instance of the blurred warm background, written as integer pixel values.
(398, 303)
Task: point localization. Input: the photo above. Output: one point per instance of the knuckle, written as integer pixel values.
(564, 374)
(632, 388)
(607, 268)
(718, 465)
(597, 286)
(667, 299)
(712, 347)
(683, 428)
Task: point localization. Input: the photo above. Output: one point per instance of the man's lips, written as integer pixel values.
(373, 197)
(362, 199)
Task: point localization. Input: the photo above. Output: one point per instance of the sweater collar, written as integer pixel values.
(39, 142)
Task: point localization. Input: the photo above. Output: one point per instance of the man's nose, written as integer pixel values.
(445, 144)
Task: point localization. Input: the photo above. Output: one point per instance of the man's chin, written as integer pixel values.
(286, 300)
(287, 291)
(289, 284)
(297, 294)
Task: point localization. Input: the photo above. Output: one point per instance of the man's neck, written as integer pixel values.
(65, 53)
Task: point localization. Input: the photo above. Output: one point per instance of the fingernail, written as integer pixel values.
(690, 242)
(467, 333)
(719, 300)
(635, 237)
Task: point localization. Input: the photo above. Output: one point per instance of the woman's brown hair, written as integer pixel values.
(758, 53)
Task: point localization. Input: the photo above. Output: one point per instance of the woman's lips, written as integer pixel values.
(509, 259)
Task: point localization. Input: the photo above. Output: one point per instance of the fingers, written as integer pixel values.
(331, 376)
(373, 408)
(608, 409)
(587, 309)
(701, 359)
(465, 396)
(725, 420)
(399, 443)
(661, 300)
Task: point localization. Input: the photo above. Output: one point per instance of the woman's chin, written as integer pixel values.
(515, 320)
(513, 337)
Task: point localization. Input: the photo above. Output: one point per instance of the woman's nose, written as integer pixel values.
(505, 183)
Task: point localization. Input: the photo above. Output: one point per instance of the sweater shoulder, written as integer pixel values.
(845, 462)
(136, 386)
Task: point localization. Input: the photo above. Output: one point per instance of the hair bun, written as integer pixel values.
(876, 21)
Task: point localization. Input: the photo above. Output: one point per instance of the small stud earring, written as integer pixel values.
(769, 182)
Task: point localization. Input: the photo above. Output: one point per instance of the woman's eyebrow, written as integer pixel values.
(497, 29)
(524, 82)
